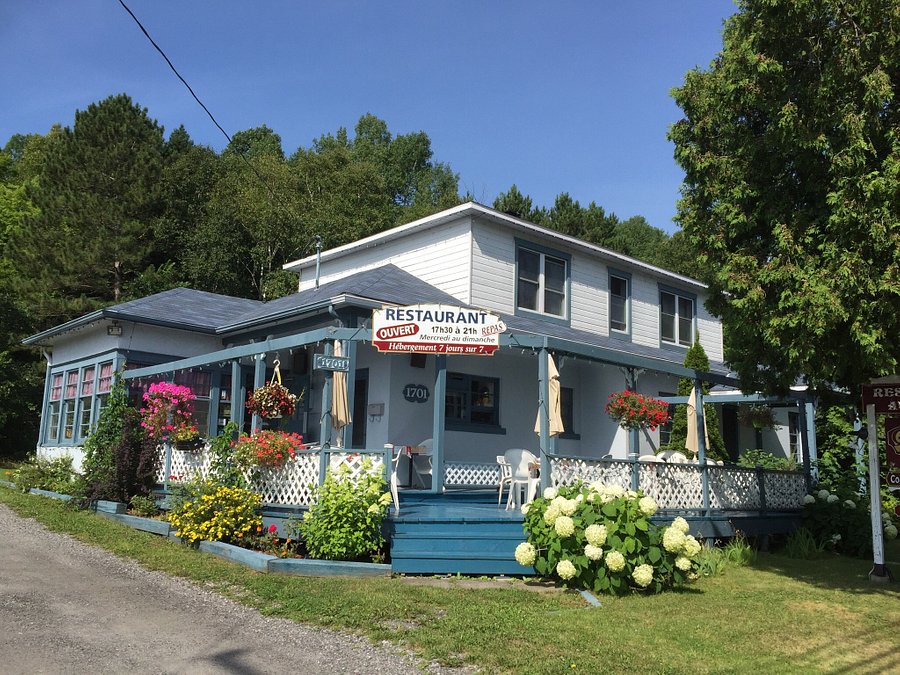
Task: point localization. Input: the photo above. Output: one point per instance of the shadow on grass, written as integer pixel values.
(833, 572)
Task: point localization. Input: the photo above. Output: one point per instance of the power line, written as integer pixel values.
(206, 110)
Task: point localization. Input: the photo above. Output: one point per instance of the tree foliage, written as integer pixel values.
(791, 145)
(697, 359)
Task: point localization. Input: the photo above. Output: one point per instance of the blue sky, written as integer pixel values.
(552, 96)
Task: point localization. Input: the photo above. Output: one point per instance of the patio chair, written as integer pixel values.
(651, 458)
(505, 476)
(520, 462)
(673, 457)
(395, 462)
(421, 463)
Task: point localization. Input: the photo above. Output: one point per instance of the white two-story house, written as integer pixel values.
(610, 322)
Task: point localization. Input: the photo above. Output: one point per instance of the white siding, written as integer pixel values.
(493, 267)
(440, 256)
(93, 340)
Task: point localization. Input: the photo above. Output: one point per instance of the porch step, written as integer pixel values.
(456, 534)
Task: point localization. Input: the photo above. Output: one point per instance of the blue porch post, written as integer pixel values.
(544, 414)
(325, 422)
(809, 436)
(701, 445)
(259, 379)
(237, 394)
(634, 439)
(437, 432)
(806, 447)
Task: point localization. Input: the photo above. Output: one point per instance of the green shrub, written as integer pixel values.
(206, 511)
(144, 506)
(839, 521)
(803, 545)
(601, 538)
(223, 465)
(753, 458)
(345, 521)
(714, 560)
(56, 475)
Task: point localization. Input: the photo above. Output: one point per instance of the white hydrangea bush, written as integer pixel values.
(600, 537)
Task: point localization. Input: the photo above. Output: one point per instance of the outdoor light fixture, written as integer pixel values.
(115, 329)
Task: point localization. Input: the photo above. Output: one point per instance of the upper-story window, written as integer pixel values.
(542, 282)
(619, 302)
(676, 318)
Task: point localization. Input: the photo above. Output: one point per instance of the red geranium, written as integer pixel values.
(636, 411)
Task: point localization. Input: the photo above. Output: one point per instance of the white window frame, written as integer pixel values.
(678, 297)
(541, 281)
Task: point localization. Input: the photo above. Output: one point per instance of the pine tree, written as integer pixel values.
(697, 359)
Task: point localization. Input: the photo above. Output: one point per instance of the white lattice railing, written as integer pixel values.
(471, 474)
(680, 486)
(293, 484)
(568, 470)
(784, 489)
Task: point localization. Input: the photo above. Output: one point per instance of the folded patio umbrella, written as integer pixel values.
(556, 424)
(690, 443)
(340, 407)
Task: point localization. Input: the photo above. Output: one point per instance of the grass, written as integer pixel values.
(779, 614)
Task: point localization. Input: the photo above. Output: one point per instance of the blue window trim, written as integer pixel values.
(677, 292)
(469, 426)
(539, 248)
(619, 334)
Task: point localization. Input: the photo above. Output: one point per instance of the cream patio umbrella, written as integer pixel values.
(340, 407)
(556, 423)
(690, 443)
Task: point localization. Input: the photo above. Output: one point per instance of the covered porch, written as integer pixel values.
(456, 463)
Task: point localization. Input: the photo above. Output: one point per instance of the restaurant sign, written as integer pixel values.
(892, 441)
(884, 396)
(436, 329)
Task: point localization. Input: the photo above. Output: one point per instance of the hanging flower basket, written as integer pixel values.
(757, 415)
(167, 414)
(631, 410)
(272, 401)
(271, 449)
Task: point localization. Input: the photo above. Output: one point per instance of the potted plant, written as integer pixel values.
(757, 415)
(167, 415)
(187, 438)
(636, 411)
(268, 449)
(271, 401)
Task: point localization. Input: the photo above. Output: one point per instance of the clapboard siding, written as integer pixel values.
(493, 287)
(440, 256)
(493, 267)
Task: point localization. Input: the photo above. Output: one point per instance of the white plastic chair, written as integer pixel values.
(673, 457)
(505, 476)
(520, 462)
(395, 462)
(651, 458)
(421, 463)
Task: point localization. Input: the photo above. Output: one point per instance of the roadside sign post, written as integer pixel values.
(882, 397)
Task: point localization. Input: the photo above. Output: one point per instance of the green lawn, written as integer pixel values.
(780, 615)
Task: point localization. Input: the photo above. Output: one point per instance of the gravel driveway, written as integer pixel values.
(66, 607)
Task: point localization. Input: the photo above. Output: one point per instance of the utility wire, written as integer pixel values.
(262, 180)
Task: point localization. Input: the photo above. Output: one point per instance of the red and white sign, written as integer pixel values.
(885, 397)
(436, 329)
(892, 443)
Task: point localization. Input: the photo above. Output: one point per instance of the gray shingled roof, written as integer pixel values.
(388, 284)
(186, 307)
